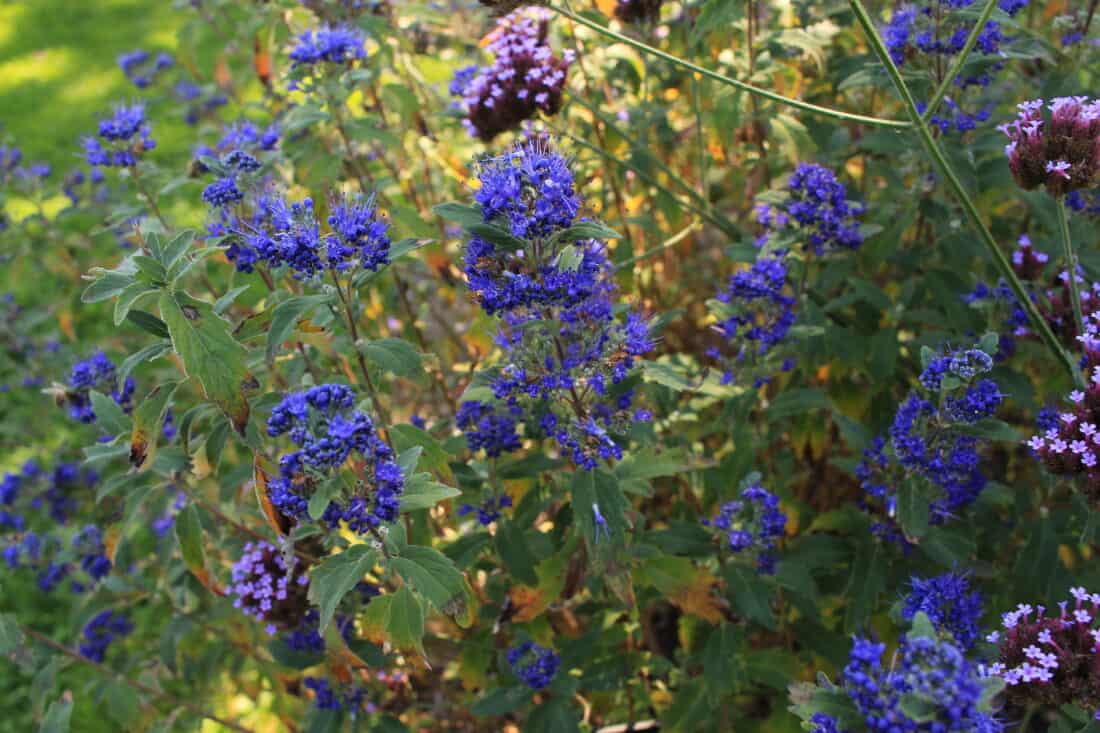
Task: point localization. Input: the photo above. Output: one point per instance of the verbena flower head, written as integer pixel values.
(751, 526)
(1051, 660)
(567, 357)
(98, 373)
(524, 77)
(126, 134)
(927, 445)
(328, 431)
(638, 11)
(948, 603)
(930, 675)
(268, 588)
(1056, 146)
(816, 212)
(338, 44)
(535, 665)
(100, 631)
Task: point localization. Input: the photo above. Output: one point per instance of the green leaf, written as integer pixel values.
(501, 701)
(330, 581)
(434, 457)
(109, 283)
(210, 354)
(148, 420)
(922, 627)
(555, 715)
(285, 317)
(586, 230)
(796, 402)
(42, 685)
(513, 551)
(405, 621)
(153, 351)
(148, 322)
(912, 508)
(108, 414)
(422, 492)
(221, 305)
(129, 298)
(496, 236)
(58, 715)
(434, 576)
(177, 248)
(749, 594)
(463, 214)
(323, 496)
(392, 355)
(188, 531)
(11, 636)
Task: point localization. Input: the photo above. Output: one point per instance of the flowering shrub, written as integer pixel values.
(681, 366)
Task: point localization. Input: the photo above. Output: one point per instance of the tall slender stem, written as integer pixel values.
(1038, 323)
(758, 91)
(1071, 266)
(956, 67)
(354, 332)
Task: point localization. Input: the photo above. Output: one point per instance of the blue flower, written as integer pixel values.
(949, 604)
(332, 44)
(534, 664)
(752, 525)
(101, 630)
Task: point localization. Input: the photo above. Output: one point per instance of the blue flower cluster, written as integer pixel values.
(306, 637)
(338, 44)
(127, 137)
(242, 135)
(98, 373)
(141, 68)
(567, 357)
(925, 443)
(489, 427)
(752, 526)
(101, 630)
(1084, 202)
(344, 696)
(488, 511)
(271, 230)
(824, 723)
(328, 431)
(930, 673)
(755, 314)
(197, 102)
(268, 587)
(817, 206)
(948, 603)
(534, 664)
(932, 32)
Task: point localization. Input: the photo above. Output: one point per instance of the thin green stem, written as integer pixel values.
(1071, 265)
(667, 244)
(758, 91)
(1038, 323)
(956, 67)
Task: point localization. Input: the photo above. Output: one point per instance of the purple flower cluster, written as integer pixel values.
(321, 421)
(948, 603)
(568, 357)
(101, 630)
(535, 665)
(933, 31)
(268, 587)
(1051, 660)
(98, 373)
(818, 209)
(929, 675)
(126, 134)
(752, 525)
(339, 44)
(89, 546)
(141, 68)
(1061, 152)
(524, 77)
(927, 445)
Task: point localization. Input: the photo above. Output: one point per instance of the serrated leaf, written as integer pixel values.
(392, 355)
(422, 492)
(147, 354)
(434, 576)
(405, 622)
(210, 354)
(147, 423)
(462, 214)
(148, 322)
(285, 317)
(434, 457)
(586, 230)
(128, 298)
(176, 248)
(330, 581)
(108, 414)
